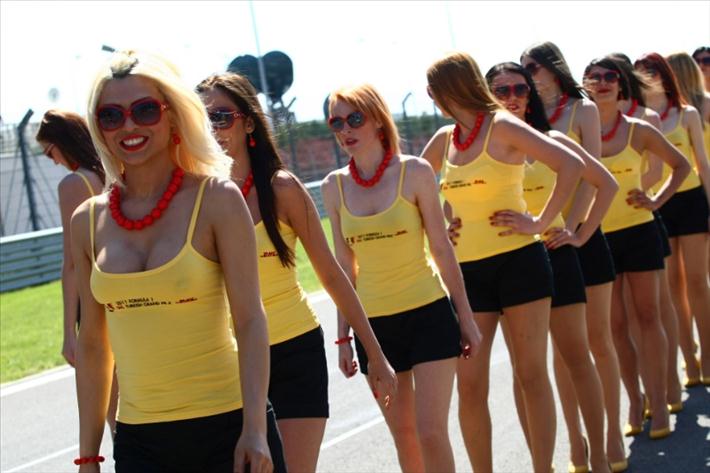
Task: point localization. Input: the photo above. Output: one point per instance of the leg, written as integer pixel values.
(472, 384)
(654, 346)
(400, 418)
(669, 319)
(569, 332)
(570, 409)
(517, 394)
(607, 364)
(301, 439)
(528, 325)
(434, 382)
(693, 249)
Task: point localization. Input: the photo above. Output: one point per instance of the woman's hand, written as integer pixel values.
(90, 468)
(382, 378)
(556, 237)
(517, 222)
(470, 336)
(252, 449)
(453, 229)
(639, 200)
(346, 361)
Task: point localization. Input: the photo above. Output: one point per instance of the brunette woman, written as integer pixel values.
(284, 212)
(513, 86)
(158, 276)
(686, 213)
(633, 236)
(505, 267)
(569, 112)
(381, 206)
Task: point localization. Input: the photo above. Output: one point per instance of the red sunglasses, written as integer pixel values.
(504, 92)
(224, 118)
(144, 112)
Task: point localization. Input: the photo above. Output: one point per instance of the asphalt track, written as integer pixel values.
(39, 425)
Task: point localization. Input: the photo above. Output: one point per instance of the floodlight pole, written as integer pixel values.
(260, 61)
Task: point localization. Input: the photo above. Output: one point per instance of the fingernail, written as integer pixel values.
(375, 394)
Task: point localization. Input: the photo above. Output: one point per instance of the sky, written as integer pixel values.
(57, 44)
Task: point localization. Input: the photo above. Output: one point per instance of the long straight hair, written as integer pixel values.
(549, 56)
(535, 114)
(690, 79)
(637, 83)
(668, 78)
(68, 132)
(264, 159)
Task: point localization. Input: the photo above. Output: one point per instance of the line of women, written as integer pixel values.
(188, 259)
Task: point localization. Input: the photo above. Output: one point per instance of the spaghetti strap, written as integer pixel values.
(631, 134)
(401, 177)
(488, 134)
(574, 113)
(340, 189)
(86, 181)
(448, 143)
(196, 210)
(91, 229)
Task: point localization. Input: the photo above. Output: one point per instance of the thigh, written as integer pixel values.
(645, 293)
(694, 253)
(473, 372)
(569, 332)
(529, 325)
(598, 311)
(434, 382)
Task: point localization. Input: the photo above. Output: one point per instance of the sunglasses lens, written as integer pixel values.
(532, 68)
(336, 123)
(356, 119)
(502, 92)
(221, 119)
(610, 77)
(521, 90)
(146, 113)
(704, 61)
(110, 118)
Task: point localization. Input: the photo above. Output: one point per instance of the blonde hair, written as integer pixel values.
(367, 100)
(198, 152)
(690, 78)
(456, 78)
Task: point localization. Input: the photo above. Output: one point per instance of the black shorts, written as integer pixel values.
(596, 261)
(299, 377)
(686, 213)
(663, 233)
(636, 248)
(508, 279)
(427, 333)
(567, 277)
(204, 444)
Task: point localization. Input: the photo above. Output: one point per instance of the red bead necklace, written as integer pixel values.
(248, 183)
(632, 109)
(153, 215)
(472, 136)
(665, 113)
(378, 173)
(558, 110)
(612, 132)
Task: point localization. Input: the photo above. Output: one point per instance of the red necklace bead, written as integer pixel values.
(248, 183)
(472, 136)
(632, 109)
(612, 132)
(558, 110)
(153, 215)
(378, 173)
(665, 113)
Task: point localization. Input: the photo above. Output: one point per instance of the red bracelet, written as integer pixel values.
(340, 341)
(82, 460)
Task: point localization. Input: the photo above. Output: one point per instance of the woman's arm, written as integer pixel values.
(598, 178)
(695, 131)
(421, 178)
(654, 173)
(434, 150)
(566, 164)
(235, 243)
(303, 218)
(94, 359)
(72, 192)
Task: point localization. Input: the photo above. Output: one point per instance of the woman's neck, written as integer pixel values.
(241, 166)
(367, 160)
(550, 95)
(149, 179)
(466, 120)
(608, 111)
(657, 101)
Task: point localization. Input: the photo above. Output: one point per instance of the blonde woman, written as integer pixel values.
(158, 275)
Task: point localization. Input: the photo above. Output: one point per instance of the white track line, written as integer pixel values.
(74, 448)
(350, 433)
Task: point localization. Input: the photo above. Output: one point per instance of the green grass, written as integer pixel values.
(31, 322)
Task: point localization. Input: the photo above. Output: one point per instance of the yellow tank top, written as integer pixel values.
(679, 137)
(86, 181)
(475, 191)
(706, 137)
(570, 131)
(170, 331)
(394, 274)
(287, 310)
(538, 183)
(626, 168)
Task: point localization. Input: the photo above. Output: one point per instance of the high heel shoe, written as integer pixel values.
(631, 430)
(689, 381)
(647, 412)
(618, 467)
(572, 468)
(659, 433)
(675, 407)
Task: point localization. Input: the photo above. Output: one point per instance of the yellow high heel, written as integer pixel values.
(572, 468)
(675, 407)
(631, 430)
(659, 433)
(618, 467)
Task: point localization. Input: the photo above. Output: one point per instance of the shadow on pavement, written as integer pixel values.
(686, 450)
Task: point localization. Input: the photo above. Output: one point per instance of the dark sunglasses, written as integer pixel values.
(48, 150)
(610, 77)
(647, 67)
(532, 68)
(703, 61)
(504, 92)
(224, 118)
(143, 112)
(354, 120)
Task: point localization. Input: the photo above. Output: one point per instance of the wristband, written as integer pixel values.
(340, 341)
(83, 460)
